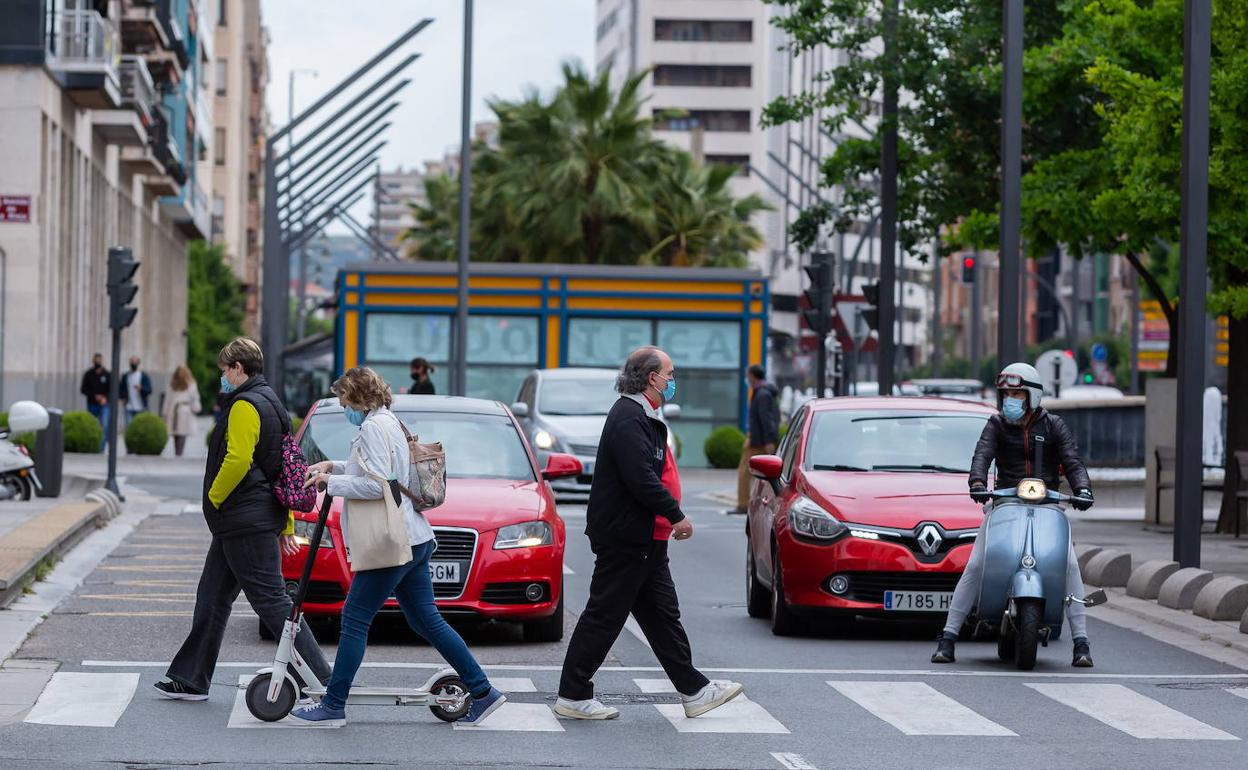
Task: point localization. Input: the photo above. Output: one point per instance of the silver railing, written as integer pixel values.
(82, 39)
(138, 90)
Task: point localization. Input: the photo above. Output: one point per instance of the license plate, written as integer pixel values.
(918, 601)
(444, 571)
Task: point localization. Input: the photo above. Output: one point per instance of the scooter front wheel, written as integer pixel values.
(1030, 612)
(454, 697)
(258, 699)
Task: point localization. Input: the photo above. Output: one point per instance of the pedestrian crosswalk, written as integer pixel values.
(1135, 710)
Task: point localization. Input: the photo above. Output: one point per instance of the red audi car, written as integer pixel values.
(500, 541)
(863, 510)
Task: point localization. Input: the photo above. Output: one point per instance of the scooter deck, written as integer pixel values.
(380, 696)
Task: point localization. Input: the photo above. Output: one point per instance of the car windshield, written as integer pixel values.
(478, 446)
(894, 441)
(586, 396)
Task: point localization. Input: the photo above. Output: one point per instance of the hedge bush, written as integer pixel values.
(83, 433)
(723, 447)
(146, 435)
(22, 439)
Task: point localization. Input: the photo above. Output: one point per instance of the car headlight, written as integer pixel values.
(810, 521)
(304, 531)
(544, 440)
(530, 534)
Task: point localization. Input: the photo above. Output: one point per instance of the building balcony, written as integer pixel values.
(84, 52)
(141, 28)
(138, 90)
(190, 212)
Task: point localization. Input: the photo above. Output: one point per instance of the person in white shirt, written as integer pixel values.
(137, 390)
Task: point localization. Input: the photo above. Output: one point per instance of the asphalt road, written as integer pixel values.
(859, 697)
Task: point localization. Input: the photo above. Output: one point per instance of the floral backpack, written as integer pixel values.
(288, 485)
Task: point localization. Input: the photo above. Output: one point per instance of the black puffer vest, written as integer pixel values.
(251, 507)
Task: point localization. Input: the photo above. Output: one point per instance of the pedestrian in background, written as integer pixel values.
(180, 407)
(422, 384)
(250, 528)
(764, 426)
(95, 383)
(136, 390)
(634, 509)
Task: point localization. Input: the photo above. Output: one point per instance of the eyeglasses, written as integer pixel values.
(1012, 380)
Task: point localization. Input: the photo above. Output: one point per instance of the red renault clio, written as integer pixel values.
(863, 510)
(500, 541)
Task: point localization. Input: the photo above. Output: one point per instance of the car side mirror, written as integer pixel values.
(671, 411)
(561, 466)
(767, 467)
(520, 409)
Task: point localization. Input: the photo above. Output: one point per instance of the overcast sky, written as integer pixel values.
(516, 44)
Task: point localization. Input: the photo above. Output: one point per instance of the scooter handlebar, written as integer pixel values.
(1050, 497)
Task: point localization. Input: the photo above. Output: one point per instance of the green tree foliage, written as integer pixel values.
(579, 177)
(214, 314)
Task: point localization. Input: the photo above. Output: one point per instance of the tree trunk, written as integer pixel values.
(1236, 418)
(1167, 308)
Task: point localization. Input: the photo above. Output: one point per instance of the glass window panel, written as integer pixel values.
(502, 340)
(400, 337)
(905, 440)
(497, 383)
(399, 376)
(702, 344)
(605, 341)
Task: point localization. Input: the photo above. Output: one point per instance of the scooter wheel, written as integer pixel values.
(258, 699)
(450, 686)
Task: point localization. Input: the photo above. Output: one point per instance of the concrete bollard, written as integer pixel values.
(1085, 554)
(1243, 623)
(1179, 591)
(1224, 598)
(1108, 568)
(1146, 579)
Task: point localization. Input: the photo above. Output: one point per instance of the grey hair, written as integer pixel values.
(634, 376)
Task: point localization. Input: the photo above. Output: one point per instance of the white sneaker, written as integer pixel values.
(584, 709)
(710, 697)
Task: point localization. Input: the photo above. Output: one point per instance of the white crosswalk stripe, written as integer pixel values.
(916, 708)
(1137, 715)
(740, 715)
(84, 700)
(1240, 691)
(517, 717)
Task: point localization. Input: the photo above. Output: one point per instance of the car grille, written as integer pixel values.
(870, 586)
(584, 450)
(454, 545)
(512, 593)
(324, 592)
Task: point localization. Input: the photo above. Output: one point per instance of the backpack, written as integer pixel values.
(426, 477)
(288, 484)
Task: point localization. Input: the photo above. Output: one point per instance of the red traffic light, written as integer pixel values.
(968, 262)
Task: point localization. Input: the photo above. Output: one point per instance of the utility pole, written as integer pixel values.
(1009, 287)
(459, 385)
(887, 356)
(977, 318)
(936, 332)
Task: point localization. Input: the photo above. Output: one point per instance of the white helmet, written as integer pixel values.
(1021, 376)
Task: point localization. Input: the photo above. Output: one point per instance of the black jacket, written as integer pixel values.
(764, 416)
(423, 388)
(251, 507)
(1014, 449)
(627, 491)
(94, 383)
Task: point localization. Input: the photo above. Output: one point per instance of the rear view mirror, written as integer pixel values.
(520, 409)
(671, 411)
(766, 466)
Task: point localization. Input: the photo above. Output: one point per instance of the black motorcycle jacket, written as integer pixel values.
(1013, 447)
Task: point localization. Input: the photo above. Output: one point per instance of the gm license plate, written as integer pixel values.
(918, 601)
(444, 571)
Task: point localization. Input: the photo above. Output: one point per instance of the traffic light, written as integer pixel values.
(818, 312)
(871, 313)
(121, 287)
(968, 269)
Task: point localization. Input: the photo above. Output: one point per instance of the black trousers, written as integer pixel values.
(626, 581)
(251, 564)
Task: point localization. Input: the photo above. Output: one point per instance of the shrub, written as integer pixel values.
(723, 447)
(83, 433)
(146, 435)
(22, 439)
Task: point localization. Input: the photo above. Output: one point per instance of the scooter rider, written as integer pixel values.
(1009, 439)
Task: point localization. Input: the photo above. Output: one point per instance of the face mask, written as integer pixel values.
(416, 376)
(134, 367)
(1012, 409)
(670, 391)
(354, 416)
(226, 385)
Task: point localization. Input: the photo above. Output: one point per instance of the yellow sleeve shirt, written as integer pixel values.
(242, 433)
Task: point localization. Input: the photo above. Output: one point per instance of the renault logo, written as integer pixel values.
(929, 538)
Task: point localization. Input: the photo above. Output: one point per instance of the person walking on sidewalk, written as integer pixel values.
(250, 528)
(422, 383)
(136, 390)
(380, 451)
(180, 407)
(764, 424)
(634, 509)
(95, 383)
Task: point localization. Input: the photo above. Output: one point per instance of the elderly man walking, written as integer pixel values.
(634, 509)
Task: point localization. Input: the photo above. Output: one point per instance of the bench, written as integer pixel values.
(1164, 459)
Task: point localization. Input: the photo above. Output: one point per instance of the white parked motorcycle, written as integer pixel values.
(18, 480)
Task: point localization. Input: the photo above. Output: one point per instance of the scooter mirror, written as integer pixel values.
(1094, 599)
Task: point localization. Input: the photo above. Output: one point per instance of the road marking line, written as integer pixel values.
(518, 717)
(84, 700)
(792, 761)
(1241, 692)
(170, 557)
(198, 551)
(567, 570)
(154, 568)
(740, 715)
(1127, 710)
(151, 614)
(513, 683)
(150, 583)
(175, 598)
(240, 717)
(916, 708)
(635, 629)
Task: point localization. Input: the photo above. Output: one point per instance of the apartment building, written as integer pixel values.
(240, 76)
(394, 192)
(107, 138)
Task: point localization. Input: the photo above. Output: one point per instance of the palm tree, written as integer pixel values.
(432, 238)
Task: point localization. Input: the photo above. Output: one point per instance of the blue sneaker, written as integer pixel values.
(480, 708)
(319, 714)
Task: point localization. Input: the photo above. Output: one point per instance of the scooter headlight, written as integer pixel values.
(304, 531)
(808, 520)
(1032, 490)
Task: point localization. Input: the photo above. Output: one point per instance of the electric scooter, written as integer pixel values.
(1026, 546)
(271, 696)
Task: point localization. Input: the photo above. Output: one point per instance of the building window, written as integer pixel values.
(223, 70)
(709, 120)
(703, 75)
(608, 24)
(219, 145)
(697, 31)
(742, 162)
(222, 18)
(218, 217)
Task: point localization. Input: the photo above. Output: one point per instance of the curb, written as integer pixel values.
(1186, 623)
(48, 535)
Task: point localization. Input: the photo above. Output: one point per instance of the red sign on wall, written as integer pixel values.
(15, 208)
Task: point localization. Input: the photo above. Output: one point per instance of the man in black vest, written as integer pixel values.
(250, 528)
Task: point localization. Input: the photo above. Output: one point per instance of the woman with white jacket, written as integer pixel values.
(382, 446)
(180, 407)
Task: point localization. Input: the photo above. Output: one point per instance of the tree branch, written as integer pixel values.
(1167, 308)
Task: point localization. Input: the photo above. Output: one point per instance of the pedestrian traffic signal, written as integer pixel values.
(121, 287)
(968, 270)
(818, 310)
(871, 313)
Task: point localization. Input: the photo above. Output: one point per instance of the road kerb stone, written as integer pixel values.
(1199, 629)
(1179, 591)
(1110, 567)
(1223, 598)
(1146, 579)
(1085, 554)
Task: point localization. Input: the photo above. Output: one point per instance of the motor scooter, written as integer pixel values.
(1026, 545)
(270, 696)
(18, 480)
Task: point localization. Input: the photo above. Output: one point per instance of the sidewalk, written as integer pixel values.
(1222, 554)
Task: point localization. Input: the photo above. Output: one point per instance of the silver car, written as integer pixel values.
(563, 410)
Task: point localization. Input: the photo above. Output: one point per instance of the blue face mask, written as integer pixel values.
(670, 391)
(227, 386)
(354, 416)
(1012, 409)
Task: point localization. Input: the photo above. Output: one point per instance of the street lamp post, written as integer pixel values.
(1008, 287)
(460, 369)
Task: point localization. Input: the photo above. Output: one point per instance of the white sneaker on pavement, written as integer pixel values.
(710, 697)
(584, 709)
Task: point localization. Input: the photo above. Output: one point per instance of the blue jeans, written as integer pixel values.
(102, 413)
(413, 587)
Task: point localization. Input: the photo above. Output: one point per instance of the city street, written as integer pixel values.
(867, 697)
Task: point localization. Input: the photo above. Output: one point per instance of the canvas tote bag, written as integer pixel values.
(376, 533)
